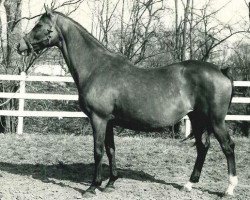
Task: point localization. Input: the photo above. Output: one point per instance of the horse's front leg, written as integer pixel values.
(99, 130)
(110, 150)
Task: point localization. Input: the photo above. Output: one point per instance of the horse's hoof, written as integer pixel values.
(187, 187)
(109, 189)
(89, 194)
(229, 194)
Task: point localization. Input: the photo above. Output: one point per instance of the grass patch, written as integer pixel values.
(150, 168)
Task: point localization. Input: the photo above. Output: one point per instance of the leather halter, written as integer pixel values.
(47, 38)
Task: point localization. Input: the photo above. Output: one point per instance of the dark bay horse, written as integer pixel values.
(114, 92)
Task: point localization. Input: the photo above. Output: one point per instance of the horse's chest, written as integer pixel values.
(98, 100)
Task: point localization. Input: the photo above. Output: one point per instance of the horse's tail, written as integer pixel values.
(225, 72)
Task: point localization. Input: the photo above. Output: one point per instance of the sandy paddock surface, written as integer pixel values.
(61, 166)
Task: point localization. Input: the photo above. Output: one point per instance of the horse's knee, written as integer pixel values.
(98, 152)
(226, 149)
(225, 141)
(205, 140)
(207, 143)
(203, 146)
(111, 151)
(110, 147)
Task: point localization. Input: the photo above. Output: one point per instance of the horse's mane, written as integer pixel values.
(82, 29)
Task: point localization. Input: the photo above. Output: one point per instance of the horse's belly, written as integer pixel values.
(153, 115)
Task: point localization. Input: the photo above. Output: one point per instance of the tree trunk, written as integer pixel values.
(13, 12)
(191, 30)
(177, 33)
(11, 61)
(184, 40)
(122, 28)
(106, 24)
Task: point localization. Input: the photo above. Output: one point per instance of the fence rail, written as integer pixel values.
(22, 95)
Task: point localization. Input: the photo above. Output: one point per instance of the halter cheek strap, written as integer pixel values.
(47, 38)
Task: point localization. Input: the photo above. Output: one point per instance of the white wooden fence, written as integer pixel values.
(22, 95)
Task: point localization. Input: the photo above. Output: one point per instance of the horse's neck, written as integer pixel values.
(79, 51)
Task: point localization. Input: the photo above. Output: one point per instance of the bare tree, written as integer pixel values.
(10, 60)
(141, 29)
(206, 36)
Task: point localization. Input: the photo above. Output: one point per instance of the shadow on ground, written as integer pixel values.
(77, 172)
(81, 173)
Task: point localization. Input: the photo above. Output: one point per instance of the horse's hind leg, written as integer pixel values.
(110, 150)
(227, 146)
(202, 142)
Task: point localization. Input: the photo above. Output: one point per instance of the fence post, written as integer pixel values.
(21, 104)
(188, 127)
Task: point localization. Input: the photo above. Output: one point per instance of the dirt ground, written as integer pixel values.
(61, 166)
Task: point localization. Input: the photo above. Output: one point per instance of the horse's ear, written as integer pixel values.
(48, 11)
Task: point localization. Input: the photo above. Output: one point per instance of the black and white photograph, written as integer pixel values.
(124, 99)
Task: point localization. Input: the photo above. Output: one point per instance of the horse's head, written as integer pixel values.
(43, 35)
